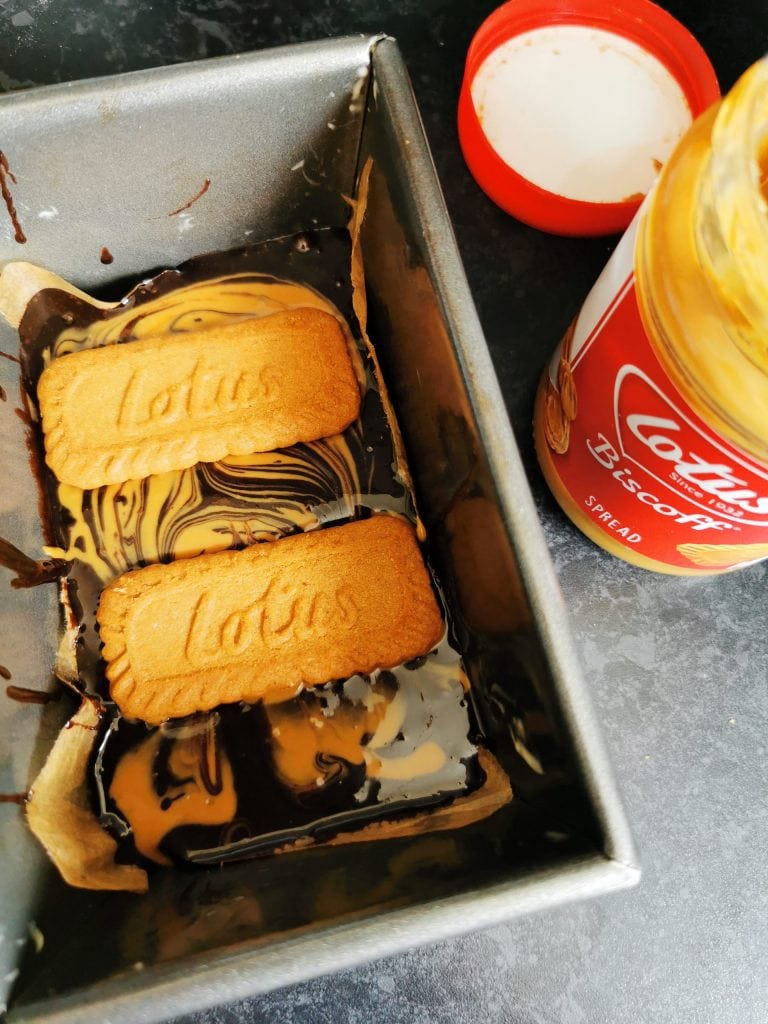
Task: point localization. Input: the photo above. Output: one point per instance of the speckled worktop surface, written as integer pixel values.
(677, 668)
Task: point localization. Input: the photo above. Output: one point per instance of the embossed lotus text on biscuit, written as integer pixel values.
(281, 614)
(203, 391)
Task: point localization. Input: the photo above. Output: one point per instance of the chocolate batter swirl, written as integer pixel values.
(241, 779)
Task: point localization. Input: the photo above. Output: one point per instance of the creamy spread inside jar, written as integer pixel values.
(651, 421)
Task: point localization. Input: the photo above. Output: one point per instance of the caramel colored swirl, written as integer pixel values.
(176, 777)
(210, 507)
(191, 307)
(242, 499)
(249, 778)
(246, 778)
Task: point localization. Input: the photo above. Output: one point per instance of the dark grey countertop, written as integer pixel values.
(677, 668)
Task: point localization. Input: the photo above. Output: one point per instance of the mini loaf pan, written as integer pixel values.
(283, 135)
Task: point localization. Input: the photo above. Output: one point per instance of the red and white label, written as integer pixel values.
(640, 462)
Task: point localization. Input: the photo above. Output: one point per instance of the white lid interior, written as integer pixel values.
(579, 111)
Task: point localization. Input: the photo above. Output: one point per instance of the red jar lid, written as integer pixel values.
(569, 108)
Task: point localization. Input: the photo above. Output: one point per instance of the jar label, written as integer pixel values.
(632, 453)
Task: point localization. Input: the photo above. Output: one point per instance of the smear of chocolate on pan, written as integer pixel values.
(5, 174)
(10, 358)
(23, 695)
(106, 256)
(5, 673)
(13, 798)
(30, 573)
(195, 197)
(3, 395)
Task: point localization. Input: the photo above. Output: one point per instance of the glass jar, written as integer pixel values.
(651, 421)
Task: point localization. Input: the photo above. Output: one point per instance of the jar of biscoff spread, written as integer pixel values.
(651, 420)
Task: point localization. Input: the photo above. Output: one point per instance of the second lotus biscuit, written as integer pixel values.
(216, 629)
